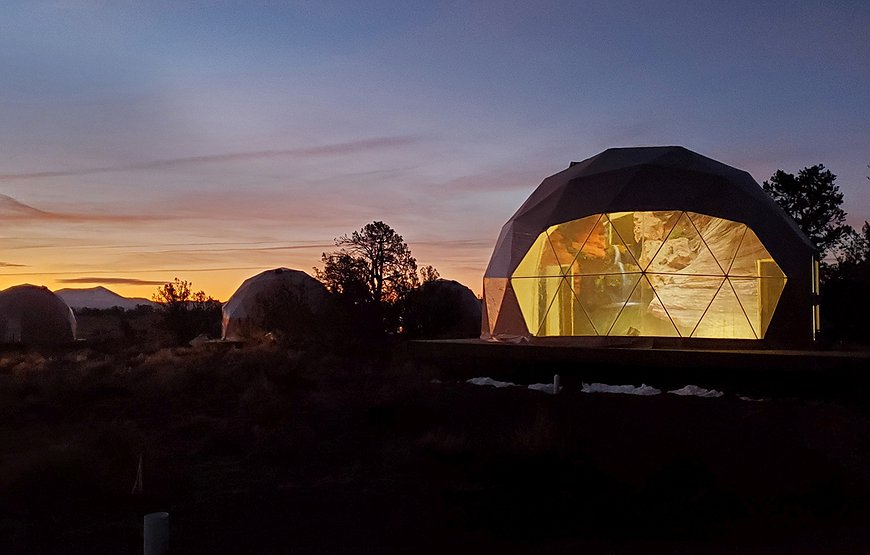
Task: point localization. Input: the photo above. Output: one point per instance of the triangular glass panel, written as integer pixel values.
(567, 239)
(603, 296)
(643, 233)
(768, 268)
(494, 289)
(603, 253)
(724, 318)
(535, 295)
(759, 297)
(509, 321)
(752, 259)
(539, 261)
(684, 252)
(644, 314)
(565, 316)
(622, 235)
(685, 297)
(721, 236)
(770, 291)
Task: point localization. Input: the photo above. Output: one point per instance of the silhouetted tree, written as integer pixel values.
(187, 314)
(344, 275)
(373, 270)
(814, 201)
(845, 295)
(374, 262)
(427, 274)
(853, 250)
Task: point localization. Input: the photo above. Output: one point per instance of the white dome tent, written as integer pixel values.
(299, 296)
(33, 314)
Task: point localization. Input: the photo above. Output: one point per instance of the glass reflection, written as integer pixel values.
(648, 273)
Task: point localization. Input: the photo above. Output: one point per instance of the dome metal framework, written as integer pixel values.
(665, 273)
(656, 241)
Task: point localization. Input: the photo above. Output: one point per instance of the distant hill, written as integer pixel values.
(99, 298)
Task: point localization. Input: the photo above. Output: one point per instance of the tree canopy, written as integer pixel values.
(187, 313)
(374, 263)
(814, 201)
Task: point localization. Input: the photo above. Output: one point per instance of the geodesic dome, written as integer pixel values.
(245, 315)
(659, 242)
(442, 309)
(33, 314)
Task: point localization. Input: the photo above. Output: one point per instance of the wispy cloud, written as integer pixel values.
(173, 271)
(337, 149)
(492, 182)
(12, 209)
(113, 281)
(11, 265)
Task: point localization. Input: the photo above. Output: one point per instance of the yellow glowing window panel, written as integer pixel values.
(535, 295)
(746, 261)
(725, 317)
(541, 260)
(646, 234)
(648, 273)
(685, 297)
(685, 252)
(568, 239)
(721, 236)
(603, 296)
(644, 314)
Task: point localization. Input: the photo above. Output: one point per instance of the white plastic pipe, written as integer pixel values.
(157, 534)
(557, 385)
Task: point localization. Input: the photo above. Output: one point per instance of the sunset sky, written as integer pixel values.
(143, 140)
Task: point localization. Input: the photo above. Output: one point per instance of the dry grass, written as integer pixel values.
(330, 450)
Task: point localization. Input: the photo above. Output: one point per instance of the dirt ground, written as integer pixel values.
(268, 450)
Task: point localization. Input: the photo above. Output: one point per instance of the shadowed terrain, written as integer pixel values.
(267, 450)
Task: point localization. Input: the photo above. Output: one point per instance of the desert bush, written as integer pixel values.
(187, 314)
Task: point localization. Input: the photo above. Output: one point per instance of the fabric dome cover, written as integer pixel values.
(33, 314)
(661, 183)
(442, 309)
(245, 312)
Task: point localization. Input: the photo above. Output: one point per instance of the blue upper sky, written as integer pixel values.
(209, 139)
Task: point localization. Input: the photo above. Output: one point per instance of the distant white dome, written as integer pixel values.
(245, 313)
(33, 314)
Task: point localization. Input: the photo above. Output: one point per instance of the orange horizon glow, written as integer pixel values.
(219, 282)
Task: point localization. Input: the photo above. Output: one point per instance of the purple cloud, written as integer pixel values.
(113, 281)
(337, 149)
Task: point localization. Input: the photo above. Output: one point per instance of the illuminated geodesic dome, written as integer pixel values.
(659, 242)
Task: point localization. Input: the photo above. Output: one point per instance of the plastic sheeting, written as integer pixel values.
(490, 382)
(695, 391)
(623, 389)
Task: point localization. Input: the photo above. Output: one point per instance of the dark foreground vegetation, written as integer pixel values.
(269, 449)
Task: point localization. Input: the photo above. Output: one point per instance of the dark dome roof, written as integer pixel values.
(650, 178)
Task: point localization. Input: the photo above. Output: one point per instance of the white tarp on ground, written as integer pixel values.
(624, 389)
(643, 389)
(489, 381)
(544, 387)
(696, 391)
